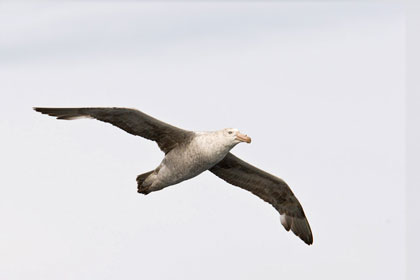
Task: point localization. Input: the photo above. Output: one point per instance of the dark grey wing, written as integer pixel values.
(130, 120)
(269, 188)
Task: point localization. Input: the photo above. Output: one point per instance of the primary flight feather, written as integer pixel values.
(188, 153)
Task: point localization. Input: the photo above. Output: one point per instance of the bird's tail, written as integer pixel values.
(140, 179)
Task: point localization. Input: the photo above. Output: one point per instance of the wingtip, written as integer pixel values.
(62, 113)
(299, 226)
(40, 110)
(307, 239)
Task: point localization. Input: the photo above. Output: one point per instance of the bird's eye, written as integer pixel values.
(230, 132)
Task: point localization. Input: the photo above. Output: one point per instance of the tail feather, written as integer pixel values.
(140, 179)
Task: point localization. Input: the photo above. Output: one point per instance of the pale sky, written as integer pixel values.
(318, 87)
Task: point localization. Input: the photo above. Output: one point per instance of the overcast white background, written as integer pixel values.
(319, 88)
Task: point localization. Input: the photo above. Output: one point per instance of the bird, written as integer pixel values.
(189, 153)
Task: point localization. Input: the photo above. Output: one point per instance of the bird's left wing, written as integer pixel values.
(131, 120)
(269, 188)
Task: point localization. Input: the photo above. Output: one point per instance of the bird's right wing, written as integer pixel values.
(269, 188)
(130, 120)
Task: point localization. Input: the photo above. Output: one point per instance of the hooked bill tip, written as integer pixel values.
(243, 138)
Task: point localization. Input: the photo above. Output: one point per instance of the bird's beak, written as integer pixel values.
(243, 138)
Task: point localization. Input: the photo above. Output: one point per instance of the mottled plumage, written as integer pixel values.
(269, 188)
(188, 153)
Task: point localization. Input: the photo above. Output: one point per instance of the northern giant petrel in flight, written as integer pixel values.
(189, 153)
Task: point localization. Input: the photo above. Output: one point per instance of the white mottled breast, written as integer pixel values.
(208, 148)
(185, 162)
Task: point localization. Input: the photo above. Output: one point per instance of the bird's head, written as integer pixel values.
(235, 137)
